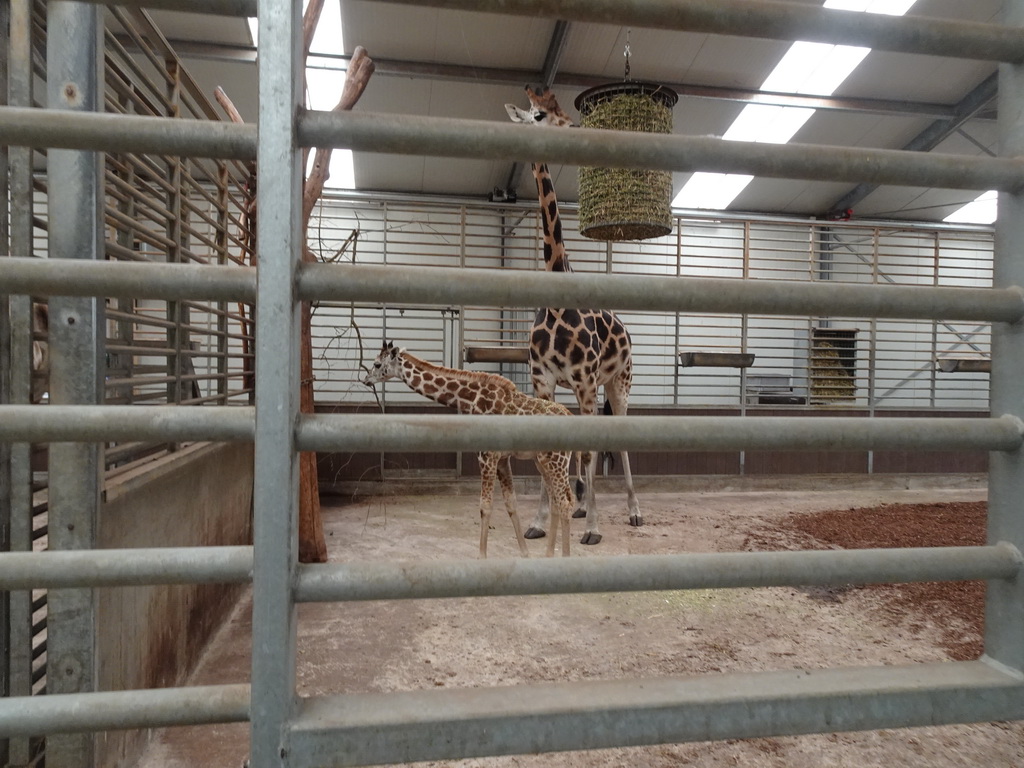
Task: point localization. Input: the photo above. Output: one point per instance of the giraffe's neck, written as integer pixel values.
(465, 391)
(555, 257)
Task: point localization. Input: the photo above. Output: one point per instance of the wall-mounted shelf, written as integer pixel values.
(497, 355)
(963, 365)
(716, 359)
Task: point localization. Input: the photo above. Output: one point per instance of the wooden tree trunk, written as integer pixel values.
(312, 545)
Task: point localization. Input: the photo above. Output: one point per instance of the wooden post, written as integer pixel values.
(312, 545)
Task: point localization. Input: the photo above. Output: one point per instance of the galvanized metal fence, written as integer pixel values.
(345, 729)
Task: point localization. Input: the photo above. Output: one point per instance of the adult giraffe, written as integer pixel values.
(581, 349)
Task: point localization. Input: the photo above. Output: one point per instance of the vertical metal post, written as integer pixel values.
(222, 240)
(75, 202)
(177, 336)
(5, 379)
(277, 380)
(19, 662)
(1004, 607)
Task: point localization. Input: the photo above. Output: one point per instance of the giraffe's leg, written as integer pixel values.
(617, 393)
(544, 388)
(540, 522)
(586, 395)
(508, 491)
(488, 470)
(554, 469)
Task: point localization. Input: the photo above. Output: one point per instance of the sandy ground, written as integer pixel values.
(475, 642)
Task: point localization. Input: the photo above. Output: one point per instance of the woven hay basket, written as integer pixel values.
(619, 203)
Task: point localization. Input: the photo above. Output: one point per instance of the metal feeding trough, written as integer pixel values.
(622, 203)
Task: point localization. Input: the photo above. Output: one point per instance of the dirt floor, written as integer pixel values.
(474, 642)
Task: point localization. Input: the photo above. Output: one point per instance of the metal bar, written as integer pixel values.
(481, 139)
(74, 178)
(21, 215)
(216, 7)
(482, 287)
(553, 576)
(7, 638)
(110, 711)
(428, 433)
(125, 567)
(370, 729)
(776, 20)
(424, 285)
(107, 423)
(143, 280)
(388, 67)
(1004, 605)
(276, 467)
(43, 128)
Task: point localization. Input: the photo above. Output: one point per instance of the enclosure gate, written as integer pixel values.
(435, 724)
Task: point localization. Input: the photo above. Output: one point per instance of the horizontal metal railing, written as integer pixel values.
(744, 18)
(462, 578)
(110, 711)
(375, 728)
(416, 580)
(105, 423)
(125, 567)
(143, 280)
(450, 137)
(480, 287)
(427, 432)
(488, 287)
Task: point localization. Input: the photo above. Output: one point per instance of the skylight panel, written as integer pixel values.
(324, 86)
(981, 210)
(807, 68)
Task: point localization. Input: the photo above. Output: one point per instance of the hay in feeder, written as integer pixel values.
(619, 203)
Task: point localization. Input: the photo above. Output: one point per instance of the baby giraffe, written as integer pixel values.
(475, 392)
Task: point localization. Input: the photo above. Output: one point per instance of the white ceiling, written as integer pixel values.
(468, 65)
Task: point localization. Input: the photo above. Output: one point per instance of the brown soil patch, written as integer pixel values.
(958, 607)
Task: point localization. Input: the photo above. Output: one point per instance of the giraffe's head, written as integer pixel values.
(544, 110)
(387, 365)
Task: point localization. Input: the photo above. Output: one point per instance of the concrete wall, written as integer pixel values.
(151, 637)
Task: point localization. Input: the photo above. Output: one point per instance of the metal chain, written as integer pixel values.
(626, 54)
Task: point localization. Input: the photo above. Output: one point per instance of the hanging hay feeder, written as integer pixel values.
(622, 203)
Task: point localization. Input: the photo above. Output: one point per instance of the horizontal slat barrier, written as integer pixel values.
(141, 280)
(110, 423)
(217, 7)
(452, 137)
(489, 287)
(125, 567)
(42, 128)
(549, 576)
(119, 710)
(484, 287)
(370, 729)
(778, 20)
(426, 433)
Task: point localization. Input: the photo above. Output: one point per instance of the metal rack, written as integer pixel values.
(343, 729)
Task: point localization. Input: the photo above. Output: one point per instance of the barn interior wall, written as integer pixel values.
(151, 637)
(892, 362)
